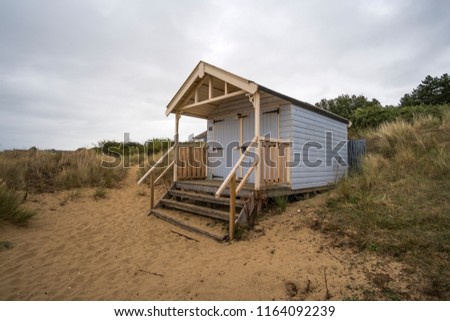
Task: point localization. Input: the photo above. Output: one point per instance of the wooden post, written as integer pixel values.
(152, 191)
(232, 206)
(175, 154)
(257, 105)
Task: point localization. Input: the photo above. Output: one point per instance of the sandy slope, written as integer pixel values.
(110, 250)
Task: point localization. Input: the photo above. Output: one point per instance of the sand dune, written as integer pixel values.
(110, 250)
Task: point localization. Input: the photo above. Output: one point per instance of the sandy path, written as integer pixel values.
(110, 250)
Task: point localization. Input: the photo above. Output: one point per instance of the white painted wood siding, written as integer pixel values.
(308, 126)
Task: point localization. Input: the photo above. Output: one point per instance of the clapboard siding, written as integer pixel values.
(308, 126)
(285, 122)
(295, 123)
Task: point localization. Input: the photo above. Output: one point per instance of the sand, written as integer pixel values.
(109, 249)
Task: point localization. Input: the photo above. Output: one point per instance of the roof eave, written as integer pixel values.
(305, 105)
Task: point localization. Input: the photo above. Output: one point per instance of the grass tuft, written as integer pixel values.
(99, 193)
(11, 208)
(281, 203)
(70, 196)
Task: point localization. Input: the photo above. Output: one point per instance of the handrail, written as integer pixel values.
(246, 176)
(276, 140)
(164, 172)
(156, 164)
(234, 169)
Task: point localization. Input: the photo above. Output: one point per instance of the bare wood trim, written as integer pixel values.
(210, 88)
(241, 141)
(156, 164)
(230, 78)
(232, 206)
(176, 138)
(256, 100)
(198, 72)
(214, 100)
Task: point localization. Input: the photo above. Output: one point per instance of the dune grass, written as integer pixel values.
(34, 171)
(11, 207)
(45, 171)
(399, 203)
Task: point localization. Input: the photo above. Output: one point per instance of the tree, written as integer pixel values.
(431, 91)
(346, 105)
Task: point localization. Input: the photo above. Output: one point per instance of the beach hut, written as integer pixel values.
(260, 144)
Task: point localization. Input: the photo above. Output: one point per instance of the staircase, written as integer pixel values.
(186, 199)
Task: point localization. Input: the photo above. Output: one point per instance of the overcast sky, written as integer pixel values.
(75, 72)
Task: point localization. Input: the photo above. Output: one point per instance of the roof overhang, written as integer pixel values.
(208, 86)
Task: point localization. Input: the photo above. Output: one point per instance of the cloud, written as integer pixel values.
(75, 72)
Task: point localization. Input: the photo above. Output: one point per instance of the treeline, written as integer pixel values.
(114, 148)
(427, 98)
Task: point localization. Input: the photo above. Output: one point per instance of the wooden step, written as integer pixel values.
(204, 211)
(206, 198)
(209, 188)
(166, 217)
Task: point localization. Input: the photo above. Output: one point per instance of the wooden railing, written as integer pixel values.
(150, 173)
(191, 162)
(275, 154)
(231, 180)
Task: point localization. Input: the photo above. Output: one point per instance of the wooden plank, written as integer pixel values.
(175, 171)
(273, 158)
(280, 164)
(187, 227)
(210, 88)
(214, 100)
(232, 218)
(257, 106)
(207, 188)
(205, 198)
(209, 212)
(266, 162)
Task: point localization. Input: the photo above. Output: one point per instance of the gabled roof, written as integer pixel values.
(228, 85)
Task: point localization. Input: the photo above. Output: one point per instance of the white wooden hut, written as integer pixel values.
(260, 144)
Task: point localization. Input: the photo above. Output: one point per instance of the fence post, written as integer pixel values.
(232, 205)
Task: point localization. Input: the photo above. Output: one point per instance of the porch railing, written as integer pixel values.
(275, 154)
(150, 173)
(191, 162)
